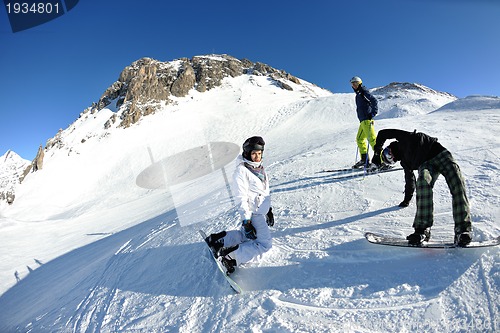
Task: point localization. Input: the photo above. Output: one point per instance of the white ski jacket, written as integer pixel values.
(252, 194)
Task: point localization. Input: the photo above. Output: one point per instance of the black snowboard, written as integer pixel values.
(395, 241)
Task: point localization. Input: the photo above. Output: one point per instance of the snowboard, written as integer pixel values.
(221, 267)
(395, 241)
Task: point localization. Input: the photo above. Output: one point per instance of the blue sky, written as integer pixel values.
(52, 72)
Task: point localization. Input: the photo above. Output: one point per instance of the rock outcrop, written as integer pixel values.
(37, 163)
(148, 84)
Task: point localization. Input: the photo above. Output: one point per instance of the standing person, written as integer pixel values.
(419, 151)
(251, 185)
(367, 109)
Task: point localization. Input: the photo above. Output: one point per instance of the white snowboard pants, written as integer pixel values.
(249, 248)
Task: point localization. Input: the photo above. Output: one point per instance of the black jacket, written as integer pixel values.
(413, 149)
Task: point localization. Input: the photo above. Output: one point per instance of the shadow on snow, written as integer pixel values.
(91, 275)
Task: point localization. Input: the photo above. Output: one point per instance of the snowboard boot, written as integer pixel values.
(361, 162)
(229, 263)
(216, 242)
(419, 236)
(463, 239)
(224, 251)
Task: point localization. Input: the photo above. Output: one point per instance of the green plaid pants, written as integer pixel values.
(428, 172)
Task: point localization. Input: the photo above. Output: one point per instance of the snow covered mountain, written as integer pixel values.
(406, 99)
(104, 238)
(12, 171)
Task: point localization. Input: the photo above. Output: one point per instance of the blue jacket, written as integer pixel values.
(366, 104)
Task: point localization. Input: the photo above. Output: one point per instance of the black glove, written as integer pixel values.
(270, 217)
(250, 232)
(404, 203)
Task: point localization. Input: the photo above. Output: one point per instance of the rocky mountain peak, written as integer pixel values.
(148, 84)
(13, 169)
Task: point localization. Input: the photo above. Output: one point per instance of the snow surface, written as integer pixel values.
(84, 248)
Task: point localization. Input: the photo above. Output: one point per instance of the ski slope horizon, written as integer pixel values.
(86, 248)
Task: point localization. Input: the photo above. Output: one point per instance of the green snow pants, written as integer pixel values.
(366, 131)
(428, 172)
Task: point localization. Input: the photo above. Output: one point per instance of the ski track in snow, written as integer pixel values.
(120, 260)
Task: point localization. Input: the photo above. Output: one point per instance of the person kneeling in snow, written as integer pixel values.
(419, 151)
(251, 184)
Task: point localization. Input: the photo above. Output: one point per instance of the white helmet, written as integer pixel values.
(356, 79)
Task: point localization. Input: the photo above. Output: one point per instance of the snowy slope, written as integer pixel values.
(95, 252)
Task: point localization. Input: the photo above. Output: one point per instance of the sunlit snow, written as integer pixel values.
(86, 247)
